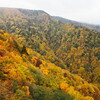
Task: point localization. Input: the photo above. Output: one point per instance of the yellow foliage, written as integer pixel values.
(64, 86)
(45, 71)
(16, 56)
(88, 98)
(26, 89)
(30, 79)
(6, 34)
(13, 73)
(1, 31)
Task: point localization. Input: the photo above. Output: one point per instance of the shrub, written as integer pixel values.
(41, 93)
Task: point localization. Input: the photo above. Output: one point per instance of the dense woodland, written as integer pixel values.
(32, 46)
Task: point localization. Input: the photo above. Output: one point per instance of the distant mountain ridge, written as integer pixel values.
(90, 26)
(37, 15)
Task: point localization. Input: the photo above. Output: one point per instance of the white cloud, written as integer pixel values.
(80, 10)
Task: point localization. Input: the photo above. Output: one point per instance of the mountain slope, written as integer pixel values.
(26, 75)
(92, 27)
(71, 47)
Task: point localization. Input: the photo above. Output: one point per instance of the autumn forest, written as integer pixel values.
(45, 58)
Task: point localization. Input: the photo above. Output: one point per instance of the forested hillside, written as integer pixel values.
(73, 48)
(26, 75)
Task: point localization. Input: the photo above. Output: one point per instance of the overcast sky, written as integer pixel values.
(79, 10)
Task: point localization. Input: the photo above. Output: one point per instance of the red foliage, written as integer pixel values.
(1, 54)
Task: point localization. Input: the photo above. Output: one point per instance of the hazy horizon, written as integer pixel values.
(86, 11)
